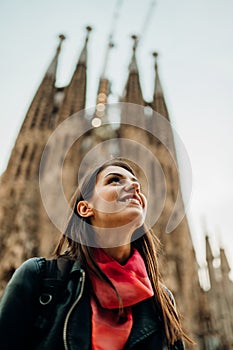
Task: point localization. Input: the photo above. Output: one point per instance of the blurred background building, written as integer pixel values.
(27, 231)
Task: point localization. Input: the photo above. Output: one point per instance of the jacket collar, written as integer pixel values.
(147, 321)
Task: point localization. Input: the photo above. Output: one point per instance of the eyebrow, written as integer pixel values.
(122, 176)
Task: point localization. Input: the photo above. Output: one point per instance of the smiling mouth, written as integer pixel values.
(131, 200)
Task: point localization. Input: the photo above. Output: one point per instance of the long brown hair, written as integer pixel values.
(77, 240)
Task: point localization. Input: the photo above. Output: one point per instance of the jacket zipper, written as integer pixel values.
(82, 280)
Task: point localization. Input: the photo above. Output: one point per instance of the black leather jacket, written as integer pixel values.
(69, 326)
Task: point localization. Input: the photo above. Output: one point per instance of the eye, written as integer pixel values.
(114, 179)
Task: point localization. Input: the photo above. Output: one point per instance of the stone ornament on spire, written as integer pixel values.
(133, 65)
(88, 29)
(225, 267)
(135, 39)
(158, 87)
(155, 55)
(83, 56)
(61, 39)
(53, 66)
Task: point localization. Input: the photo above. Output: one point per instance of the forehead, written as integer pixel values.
(115, 170)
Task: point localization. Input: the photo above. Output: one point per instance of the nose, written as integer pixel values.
(132, 186)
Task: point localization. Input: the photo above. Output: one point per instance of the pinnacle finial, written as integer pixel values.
(88, 29)
(135, 39)
(155, 55)
(61, 37)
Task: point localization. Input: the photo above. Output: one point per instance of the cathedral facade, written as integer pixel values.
(26, 229)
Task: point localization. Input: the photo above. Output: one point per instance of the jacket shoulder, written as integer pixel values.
(27, 275)
(32, 265)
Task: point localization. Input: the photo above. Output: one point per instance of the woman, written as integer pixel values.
(111, 297)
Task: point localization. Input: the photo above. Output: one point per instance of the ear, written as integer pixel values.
(84, 209)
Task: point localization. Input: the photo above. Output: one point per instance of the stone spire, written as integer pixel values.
(133, 67)
(103, 88)
(226, 298)
(53, 66)
(133, 91)
(225, 267)
(159, 104)
(209, 259)
(102, 98)
(83, 56)
(227, 284)
(106, 59)
(75, 95)
(209, 254)
(41, 107)
(104, 84)
(36, 121)
(21, 178)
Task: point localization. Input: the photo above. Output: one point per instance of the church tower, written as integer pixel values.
(19, 192)
(217, 302)
(177, 246)
(23, 221)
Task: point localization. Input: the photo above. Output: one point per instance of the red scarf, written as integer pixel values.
(109, 331)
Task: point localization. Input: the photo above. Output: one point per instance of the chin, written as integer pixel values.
(137, 222)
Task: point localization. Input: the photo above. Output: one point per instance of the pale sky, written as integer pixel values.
(194, 39)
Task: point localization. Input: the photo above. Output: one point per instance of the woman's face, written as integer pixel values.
(117, 200)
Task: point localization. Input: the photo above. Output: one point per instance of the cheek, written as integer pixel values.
(105, 200)
(107, 195)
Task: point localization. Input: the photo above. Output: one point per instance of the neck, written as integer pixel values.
(114, 238)
(120, 254)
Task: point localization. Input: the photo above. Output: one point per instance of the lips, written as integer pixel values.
(132, 198)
